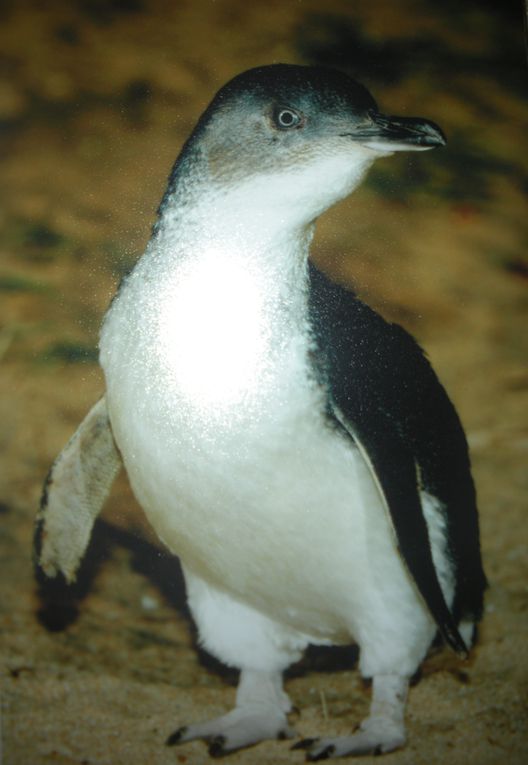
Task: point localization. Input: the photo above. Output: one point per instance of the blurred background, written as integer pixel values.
(96, 98)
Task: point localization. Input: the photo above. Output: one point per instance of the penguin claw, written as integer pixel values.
(217, 746)
(176, 737)
(304, 743)
(327, 752)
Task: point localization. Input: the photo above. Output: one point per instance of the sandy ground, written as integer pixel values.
(94, 104)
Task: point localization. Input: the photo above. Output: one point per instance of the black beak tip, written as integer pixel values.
(431, 135)
(404, 132)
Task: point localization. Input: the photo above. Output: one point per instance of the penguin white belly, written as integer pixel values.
(251, 488)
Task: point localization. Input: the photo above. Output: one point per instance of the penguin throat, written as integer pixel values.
(230, 312)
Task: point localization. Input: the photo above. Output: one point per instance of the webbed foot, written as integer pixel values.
(383, 731)
(375, 736)
(243, 726)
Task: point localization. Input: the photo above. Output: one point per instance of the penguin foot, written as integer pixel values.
(243, 726)
(375, 736)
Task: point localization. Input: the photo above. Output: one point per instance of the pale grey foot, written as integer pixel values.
(382, 731)
(242, 637)
(260, 713)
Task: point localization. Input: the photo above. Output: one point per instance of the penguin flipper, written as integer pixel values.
(394, 471)
(383, 392)
(74, 492)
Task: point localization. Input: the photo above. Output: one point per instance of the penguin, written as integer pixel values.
(294, 449)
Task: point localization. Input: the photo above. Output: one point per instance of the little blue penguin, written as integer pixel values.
(293, 448)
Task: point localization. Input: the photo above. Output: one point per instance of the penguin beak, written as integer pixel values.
(390, 134)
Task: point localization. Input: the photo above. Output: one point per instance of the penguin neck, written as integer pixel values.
(224, 288)
(233, 227)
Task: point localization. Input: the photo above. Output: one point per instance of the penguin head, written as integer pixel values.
(298, 138)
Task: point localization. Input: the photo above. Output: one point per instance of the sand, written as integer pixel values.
(94, 105)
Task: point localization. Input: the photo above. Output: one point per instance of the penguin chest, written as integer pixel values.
(213, 334)
(223, 434)
(213, 364)
(257, 505)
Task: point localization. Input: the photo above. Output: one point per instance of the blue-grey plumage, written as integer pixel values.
(294, 449)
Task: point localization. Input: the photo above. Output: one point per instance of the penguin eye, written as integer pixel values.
(287, 118)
